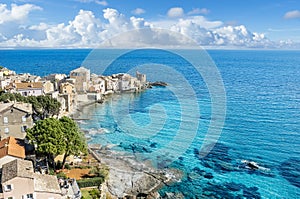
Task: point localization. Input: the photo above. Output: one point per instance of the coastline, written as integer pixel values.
(128, 177)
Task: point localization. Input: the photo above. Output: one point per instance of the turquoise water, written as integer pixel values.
(262, 121)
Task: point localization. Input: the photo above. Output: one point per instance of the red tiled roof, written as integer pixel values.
(13, 147)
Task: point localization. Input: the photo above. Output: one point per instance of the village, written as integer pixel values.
(22, 174)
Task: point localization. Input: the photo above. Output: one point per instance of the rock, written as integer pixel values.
(158, 83)
(232, 186)
(131, 178)
(209, 176)
(174, 196)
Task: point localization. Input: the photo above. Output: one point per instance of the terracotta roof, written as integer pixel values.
(13, 147)
(29, 85)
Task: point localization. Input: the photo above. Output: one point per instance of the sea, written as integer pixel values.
(228, 119)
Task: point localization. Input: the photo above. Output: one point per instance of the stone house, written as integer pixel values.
(141, 77)
(19, 181)
(7, 72)
(11, 149)
(48, 87)
(15, 118)
(68, 93)
(82, 78)
(4, 82)
(98, 84)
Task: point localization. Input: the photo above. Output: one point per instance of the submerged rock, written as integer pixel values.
(131, 178)
(290, 170)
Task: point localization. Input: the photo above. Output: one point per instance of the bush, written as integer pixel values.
(51, 172)
(95, 193)
(100, 171)
(67, 166)
(61, 175)
(90, 182)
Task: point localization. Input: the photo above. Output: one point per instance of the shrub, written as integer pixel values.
(90, 182)
(61, 175)
(67, 166)
(100, 171)
(95, 193)
(51, 172)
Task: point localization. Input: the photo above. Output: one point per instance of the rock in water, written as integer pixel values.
(131, 178)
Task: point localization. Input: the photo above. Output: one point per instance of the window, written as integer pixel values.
(23, 118)
(23, 128)
(29, 196)
(6, 130)
(5, 120)
(8, 187)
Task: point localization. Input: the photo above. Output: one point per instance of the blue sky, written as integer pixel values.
(237, 23)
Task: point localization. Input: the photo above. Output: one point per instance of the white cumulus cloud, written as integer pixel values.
(16, 13)
(113, 28)
(175, 12)
(292, 14)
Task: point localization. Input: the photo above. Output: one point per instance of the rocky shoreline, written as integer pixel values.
(128, 177)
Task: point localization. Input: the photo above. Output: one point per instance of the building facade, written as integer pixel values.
(15, 118)
(82, 78)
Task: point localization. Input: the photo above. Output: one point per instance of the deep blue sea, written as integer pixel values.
(169, 125)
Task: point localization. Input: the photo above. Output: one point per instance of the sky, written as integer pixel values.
(210, 23)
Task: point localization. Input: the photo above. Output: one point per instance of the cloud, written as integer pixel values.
(138, 11)
(197, 11)
(16, 13)
(86, 30)
(103, 3)
(292, 14)
(41, 26)
(175, 12)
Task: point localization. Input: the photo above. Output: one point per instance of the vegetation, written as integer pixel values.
(74, 138)
(43, 106)
(90, 193)
(53, 137)
(61, 175)
(90, 182)
(47, 136)
(100, 171)
(95, 193)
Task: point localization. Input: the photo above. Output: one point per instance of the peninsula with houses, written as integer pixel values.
(43, 153)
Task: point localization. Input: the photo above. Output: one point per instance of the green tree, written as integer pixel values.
(54, 137)
(43, 106)
(76, 142)
(48, 137)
